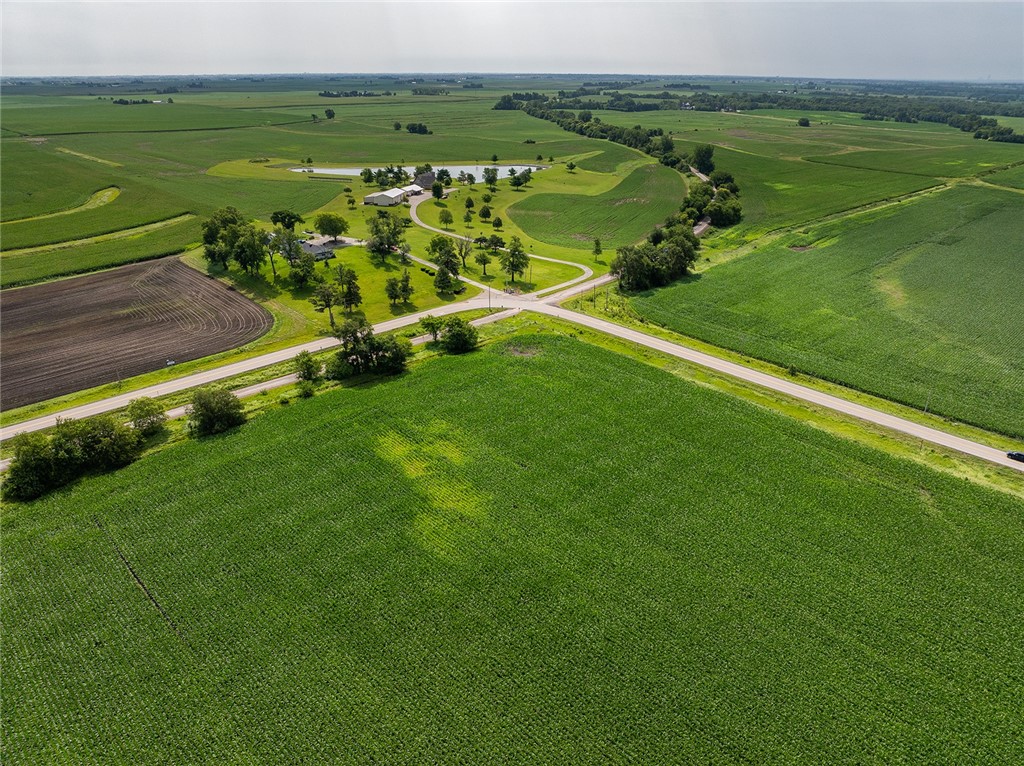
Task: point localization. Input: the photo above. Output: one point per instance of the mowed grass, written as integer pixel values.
(618, 217)
(527, 571)
(916, 303)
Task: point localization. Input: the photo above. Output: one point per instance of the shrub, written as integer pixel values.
(31, 471)
(458, 336)
(146, 415)
(305, 389)
(214, 410)
(306, 367)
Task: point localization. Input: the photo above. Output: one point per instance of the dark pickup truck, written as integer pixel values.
(1016, 456)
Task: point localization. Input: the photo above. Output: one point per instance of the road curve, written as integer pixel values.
(587, 271)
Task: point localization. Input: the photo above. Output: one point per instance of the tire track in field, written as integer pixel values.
(142, 585)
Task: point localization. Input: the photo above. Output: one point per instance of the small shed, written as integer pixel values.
(413, 189)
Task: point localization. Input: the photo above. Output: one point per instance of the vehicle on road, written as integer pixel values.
(1016, 456)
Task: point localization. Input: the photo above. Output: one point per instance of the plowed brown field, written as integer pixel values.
(66, 336)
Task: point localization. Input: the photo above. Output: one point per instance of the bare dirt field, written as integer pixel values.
(65, 336)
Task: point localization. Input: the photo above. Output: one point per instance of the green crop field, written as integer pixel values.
(916, 302)
(618, 217)
(493, 559)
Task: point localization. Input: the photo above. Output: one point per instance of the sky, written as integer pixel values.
(886, 39)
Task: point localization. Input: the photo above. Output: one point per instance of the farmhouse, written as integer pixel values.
(385, 198)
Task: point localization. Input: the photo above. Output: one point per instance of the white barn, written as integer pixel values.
(385, 198)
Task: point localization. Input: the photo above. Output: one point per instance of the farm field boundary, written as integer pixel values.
(98, 199)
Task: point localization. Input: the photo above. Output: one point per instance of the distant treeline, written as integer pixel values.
(686, 86)
(958, 113)
(352, 93)
(430, 91)
(126, 101)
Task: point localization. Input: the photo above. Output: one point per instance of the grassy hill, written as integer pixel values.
(499, 557)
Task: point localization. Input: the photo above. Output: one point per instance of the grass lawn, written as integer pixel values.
(525, 571)
(913, 302)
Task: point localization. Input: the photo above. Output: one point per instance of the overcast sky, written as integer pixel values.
(888, 39)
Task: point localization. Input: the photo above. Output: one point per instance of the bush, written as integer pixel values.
(76, 447)
(458, 336)
(306, 367)
(146, 415)
(214, 410)
(31, 471)
(305, 389)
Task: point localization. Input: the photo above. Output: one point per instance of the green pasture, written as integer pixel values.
(525, 571)
(618, 217)
(285, 300)
(915, 302)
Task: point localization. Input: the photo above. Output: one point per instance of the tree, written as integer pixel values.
(444, 177)
(325, 297)
(494, 158)
(393, 289)
(442, 251)
(482, 259)
(446, 218)
(363, 352)
(220, 233)
(397, 125)
(348, 283)
(514, 260)
(467, 217)
(526, 176)
(597, 247)
(432, 325)
(469, 203)
(497, 223)
(570, 166)
(304, 269)
(803, 122)
(487, 198)
(463, 247)
(287, 244)
(30, 473)
(286, 219)
(701, 158)
(437, 190)
(515, 181)
(385, 234)
(444, 282)
(491, 178)
(367, 173)
(485, 213)
(331, 225)
(458, 336)
(329, 114)
(250, 250)
(495, 243)
(405, 288)
(214, 410)
(307, 368)
(146, 415)
(470, 179)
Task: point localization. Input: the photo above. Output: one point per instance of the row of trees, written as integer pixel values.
(103, 443)
(669, 253)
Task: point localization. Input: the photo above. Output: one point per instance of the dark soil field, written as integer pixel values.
(78, 333)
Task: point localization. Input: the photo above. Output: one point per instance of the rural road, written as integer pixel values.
(543, 304)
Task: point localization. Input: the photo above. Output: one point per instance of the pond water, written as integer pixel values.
(476, 170)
